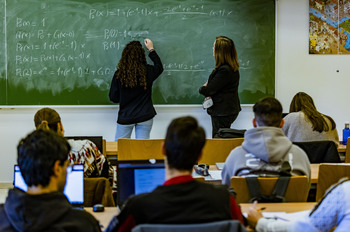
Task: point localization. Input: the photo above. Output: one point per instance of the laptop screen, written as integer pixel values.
(135, 177)
(74, 189)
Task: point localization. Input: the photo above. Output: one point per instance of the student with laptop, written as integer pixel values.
(181, 199)
(82, 152)
(42, 159)
(266, 150)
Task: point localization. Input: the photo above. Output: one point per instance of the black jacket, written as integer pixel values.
(184, 203)
(222, 87)
(135, 104)
(45, 212)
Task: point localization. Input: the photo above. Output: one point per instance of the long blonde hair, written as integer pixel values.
(225, 52)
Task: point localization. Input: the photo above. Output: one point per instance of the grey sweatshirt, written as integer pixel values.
(265, 148)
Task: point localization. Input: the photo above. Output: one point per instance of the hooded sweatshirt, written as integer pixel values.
(45, 212)
(265, 150)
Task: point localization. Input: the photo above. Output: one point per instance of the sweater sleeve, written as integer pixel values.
(272, 225)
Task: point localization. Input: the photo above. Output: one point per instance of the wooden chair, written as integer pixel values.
(297, 190)
(329, 174)
(217, 150)
(97, 190)
(347, 151)
(140, 149)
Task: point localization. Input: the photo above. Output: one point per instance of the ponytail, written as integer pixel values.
(44, 125)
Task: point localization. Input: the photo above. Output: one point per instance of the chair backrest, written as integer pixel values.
(217, 150)
(297, 190)
(97, 190)
(320, 151)
(140, 149)
(97, 140)
(347, 151)
(220, 226)
(329, 174)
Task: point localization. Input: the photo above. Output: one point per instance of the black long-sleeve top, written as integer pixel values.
(222, 87)
(135, 104)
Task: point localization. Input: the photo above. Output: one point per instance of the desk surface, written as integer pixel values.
(281, 207)
(105, 217)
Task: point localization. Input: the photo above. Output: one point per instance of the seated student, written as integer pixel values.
(304, 123)
(266, 149)
(83, 151)
(181, 199)
(332, 210)
(42, 159)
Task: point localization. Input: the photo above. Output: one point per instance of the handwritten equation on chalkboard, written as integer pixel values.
(59, 47)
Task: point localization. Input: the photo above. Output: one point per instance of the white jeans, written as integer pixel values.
(142, 130)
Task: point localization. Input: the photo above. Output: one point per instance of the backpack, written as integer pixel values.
(225, 133)
(277, 194)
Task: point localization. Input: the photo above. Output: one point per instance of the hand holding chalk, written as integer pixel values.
(149, 44)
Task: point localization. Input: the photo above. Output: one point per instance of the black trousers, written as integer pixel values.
(222, 122)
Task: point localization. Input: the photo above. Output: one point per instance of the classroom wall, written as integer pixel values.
(296, 70)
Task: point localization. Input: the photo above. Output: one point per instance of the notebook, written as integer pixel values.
(74, 189)
(141, 176)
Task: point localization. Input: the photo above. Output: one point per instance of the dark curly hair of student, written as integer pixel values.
(184, 142)
(303, 102)
(131, 69)
(37, 154)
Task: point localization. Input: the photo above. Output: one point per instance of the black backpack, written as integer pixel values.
(278, 192)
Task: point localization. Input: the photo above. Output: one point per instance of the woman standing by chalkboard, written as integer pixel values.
(222, 85)
(132, 88)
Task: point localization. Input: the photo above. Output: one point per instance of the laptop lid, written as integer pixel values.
(141, 176)
(74, 189)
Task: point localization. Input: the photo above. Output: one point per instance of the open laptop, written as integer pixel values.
(141, 176)
(74, 189)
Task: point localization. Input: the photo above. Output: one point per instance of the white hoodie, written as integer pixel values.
(265, 149)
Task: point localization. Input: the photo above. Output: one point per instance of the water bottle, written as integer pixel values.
(346, 133)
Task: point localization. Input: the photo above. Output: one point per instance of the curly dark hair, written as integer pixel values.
(131, 70)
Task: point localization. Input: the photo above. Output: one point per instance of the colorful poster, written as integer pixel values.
(329, 27)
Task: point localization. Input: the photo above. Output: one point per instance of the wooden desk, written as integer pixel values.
(280, 207)
(314, 174)
(341, 148)
(111, 148)
(104, 217)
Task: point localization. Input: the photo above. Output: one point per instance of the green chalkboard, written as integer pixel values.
(64, 52)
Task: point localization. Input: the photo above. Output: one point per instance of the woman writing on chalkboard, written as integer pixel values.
(222, 85)
(132, 88)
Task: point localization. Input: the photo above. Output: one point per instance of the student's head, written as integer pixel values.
(48, 119)
(183, 144)
(41, 156)
(304, 102)
(131, 69)
(268, 112)
(224, 51)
